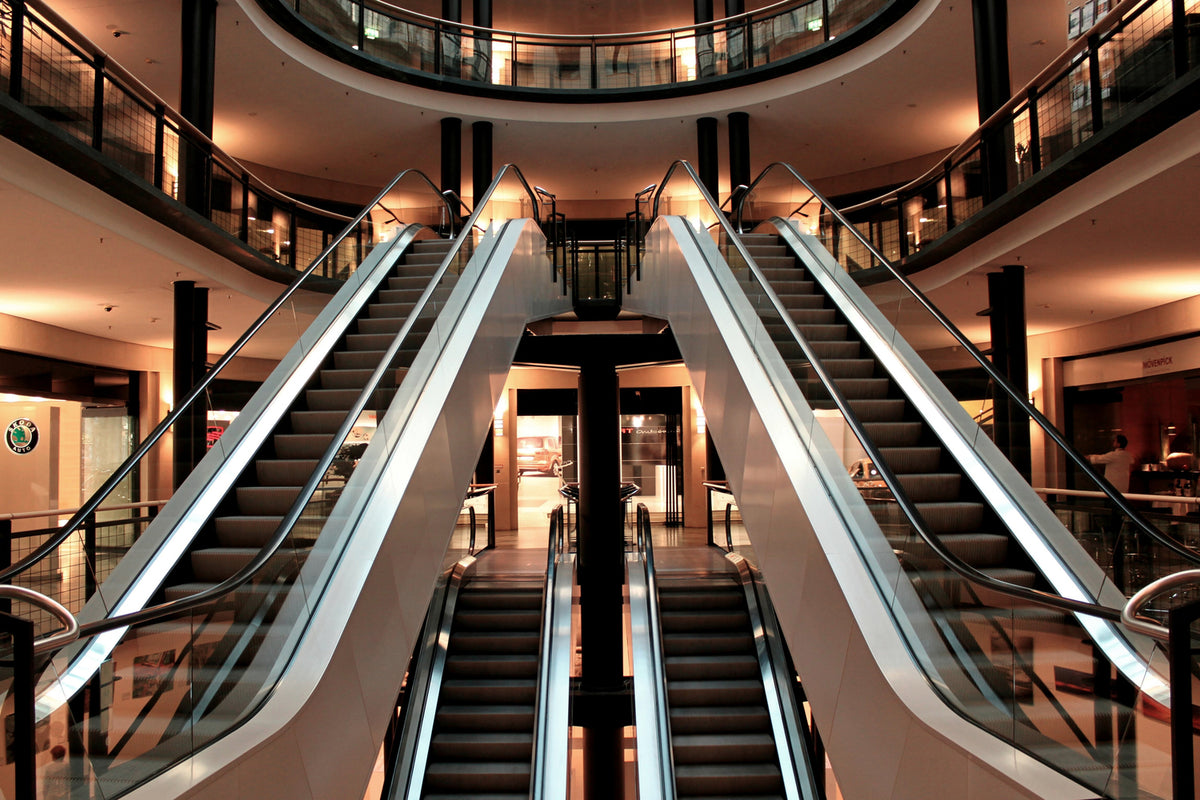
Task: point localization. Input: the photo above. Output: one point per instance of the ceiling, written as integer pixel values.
(872, 116)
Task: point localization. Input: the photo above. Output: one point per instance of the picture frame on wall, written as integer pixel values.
(1075, 23)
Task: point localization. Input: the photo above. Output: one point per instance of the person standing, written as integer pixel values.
(1118, 463)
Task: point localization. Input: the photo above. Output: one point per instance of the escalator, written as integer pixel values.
(940, 557)
(487, 717)
(240, 627)
(713, 687)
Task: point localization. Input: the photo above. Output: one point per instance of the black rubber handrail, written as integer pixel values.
(1048, 427)
(198, 390)
(906, 505)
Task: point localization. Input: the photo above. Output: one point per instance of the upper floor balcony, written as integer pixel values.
(414, 48)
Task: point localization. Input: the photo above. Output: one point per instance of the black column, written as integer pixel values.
(705, 56)
(739, 153)
(189, 364)
(197, 78)
(452, 155)
(600, 568)
(737, 38)
(481, 159)
(482, 13)
(1006, 298)
(992, 87)
(706, 156)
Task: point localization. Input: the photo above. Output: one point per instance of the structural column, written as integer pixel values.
(739, 154)
(706, 156)
(705, 55)
(1006, 296)
(992, 86)
(482, 171)
(452, 155)
(198, 70)
(600, 569)
(189, 364)
(737, 38)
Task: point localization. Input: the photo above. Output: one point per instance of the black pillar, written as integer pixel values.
(482, 13)
(189, 364)
(1006, 297)
(452, 155)
(481, 159)
(739, 153)
(197, 77)
(705, 53)
(737, 37)
(706, 156)
(452, 10)
(992, 87)
(600, 568)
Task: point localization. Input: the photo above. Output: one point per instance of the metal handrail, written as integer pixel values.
(54, 641)
(1131, 614)
(1000, 380)
(909, 508)
(197, 391)
(1064, 59)
(660, 33)
(58, 512)
(549, 771)
(786, 726)
(645, 549)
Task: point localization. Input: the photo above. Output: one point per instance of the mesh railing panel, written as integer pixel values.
(58, 82)
(128, 131)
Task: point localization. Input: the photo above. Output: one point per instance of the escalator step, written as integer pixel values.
(934, 487)
(407, 296)
(492, 598)
(698, 667)
(497, 619)
(495, 692)
(912, 459)
(316, 421)
(332, 399)
(301, 445)
(727, 779)
(514, 718)
(260, 501)
(504, 642)
(482, 747)
(683, 644)
(897, 433)
(706, 719)
(345, 378)
(492, 666)
(724, 747)
(457, 776)
(246, 531)
(284, 471)
(682, 621)
(714, 693)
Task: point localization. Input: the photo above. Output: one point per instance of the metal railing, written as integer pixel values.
(1106, 75)
(612, 63)
(54, 71)
(549, 778)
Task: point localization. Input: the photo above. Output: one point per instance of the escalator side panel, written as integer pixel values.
(319, 732)
(866, 693)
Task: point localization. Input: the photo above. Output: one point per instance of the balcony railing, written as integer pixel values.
(615, 63)
(1106, 76)
(51, 69)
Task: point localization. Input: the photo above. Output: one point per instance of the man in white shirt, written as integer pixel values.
(1118, 463)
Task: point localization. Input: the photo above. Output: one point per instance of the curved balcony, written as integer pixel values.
(406, 46)
(1132, 75)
